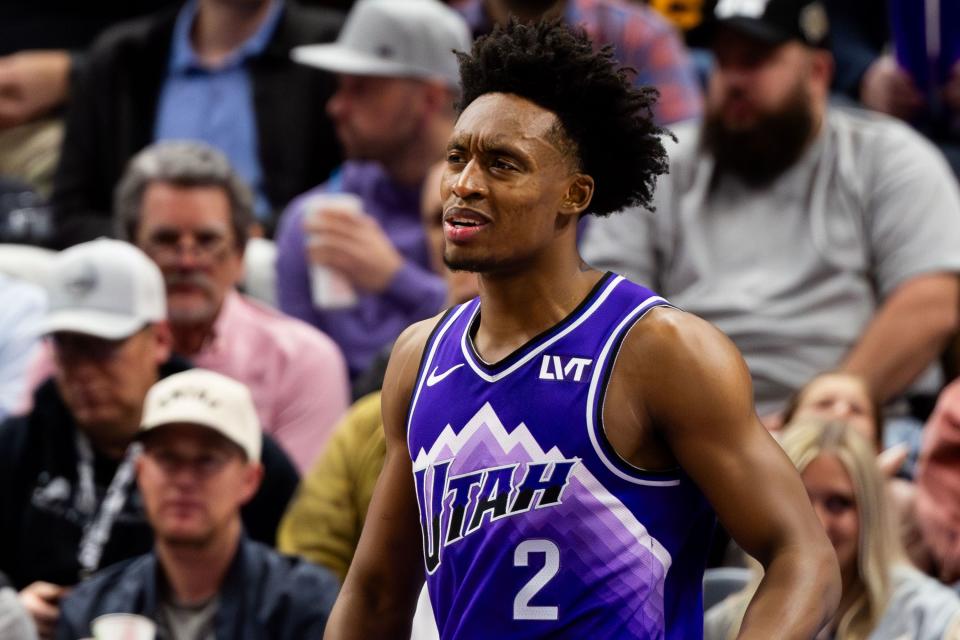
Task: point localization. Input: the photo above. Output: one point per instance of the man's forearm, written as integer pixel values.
(799, 592)
(907, 333)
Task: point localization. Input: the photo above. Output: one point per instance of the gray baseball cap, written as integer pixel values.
(394, 38)
(104, 288)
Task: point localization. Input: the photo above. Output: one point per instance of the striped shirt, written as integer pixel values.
(641, 39)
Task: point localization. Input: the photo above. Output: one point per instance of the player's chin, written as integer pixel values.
(457, 260)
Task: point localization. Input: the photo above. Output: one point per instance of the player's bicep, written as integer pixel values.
(704, 411)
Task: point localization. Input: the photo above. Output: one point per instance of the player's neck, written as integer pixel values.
(518, 306)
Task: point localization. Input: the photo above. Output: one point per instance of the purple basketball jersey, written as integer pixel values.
(532, 526)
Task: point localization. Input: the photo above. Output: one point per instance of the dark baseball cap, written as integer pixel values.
(777, 21)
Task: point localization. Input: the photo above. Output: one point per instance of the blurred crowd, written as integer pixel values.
(216, 216)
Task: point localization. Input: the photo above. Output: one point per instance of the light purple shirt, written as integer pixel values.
(415, 293)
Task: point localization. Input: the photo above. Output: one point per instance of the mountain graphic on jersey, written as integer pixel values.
(486, 495)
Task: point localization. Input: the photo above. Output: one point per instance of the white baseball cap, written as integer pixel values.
(104, 288)
(394, 38)
(206, 399)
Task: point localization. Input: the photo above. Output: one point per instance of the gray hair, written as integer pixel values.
(184, 164)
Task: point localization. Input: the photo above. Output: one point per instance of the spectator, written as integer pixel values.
(868, 70)
(23, 306)
(326, 516)
(67, 507)
(41, 44)
(324, 521)
(204, 579)
(183, 205)
(938, 485)
(641, 39)
(836, 395)
(394, 112)
(883, 597)
(215, 71)
(816, 238)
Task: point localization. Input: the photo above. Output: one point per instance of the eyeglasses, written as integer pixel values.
(166, 244)
(204, 465)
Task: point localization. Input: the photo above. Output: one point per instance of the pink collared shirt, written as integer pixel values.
(297, 375)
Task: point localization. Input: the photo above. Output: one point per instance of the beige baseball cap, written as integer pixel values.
(207, 399)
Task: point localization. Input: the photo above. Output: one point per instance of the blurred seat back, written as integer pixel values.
(721, 582)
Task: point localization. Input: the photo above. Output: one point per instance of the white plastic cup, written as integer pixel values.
(123, 626)
(329, 288)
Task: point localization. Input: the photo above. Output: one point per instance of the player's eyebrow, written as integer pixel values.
(499, 144)
(456, 143)
(490, 144)
(493, 145)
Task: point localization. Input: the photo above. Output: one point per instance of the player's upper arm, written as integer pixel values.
(696, 391)
(383, 582)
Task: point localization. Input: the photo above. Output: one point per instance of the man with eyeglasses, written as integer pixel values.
(184, 206)
(67, 502)
(204, 578)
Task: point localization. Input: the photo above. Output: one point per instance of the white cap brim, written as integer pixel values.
(339, 59)
(100, 324)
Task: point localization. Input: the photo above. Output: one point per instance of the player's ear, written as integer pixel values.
(578, 195)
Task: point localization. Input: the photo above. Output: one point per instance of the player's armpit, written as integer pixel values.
(695, 390)
(382, 585)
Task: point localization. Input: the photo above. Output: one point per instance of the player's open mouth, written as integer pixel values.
(460, 225)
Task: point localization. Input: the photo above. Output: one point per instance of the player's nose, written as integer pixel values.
(469, 182)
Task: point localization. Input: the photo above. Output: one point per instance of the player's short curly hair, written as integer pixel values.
(607, 120)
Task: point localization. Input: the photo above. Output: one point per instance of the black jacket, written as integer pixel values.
(265, 596)
(40, 529)
(113, 108)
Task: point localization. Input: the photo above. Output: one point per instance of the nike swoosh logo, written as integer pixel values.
(433, 378)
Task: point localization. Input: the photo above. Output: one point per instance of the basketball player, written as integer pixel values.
(556, 449)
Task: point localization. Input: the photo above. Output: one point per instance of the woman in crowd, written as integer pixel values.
(884, 598)
(837, 395)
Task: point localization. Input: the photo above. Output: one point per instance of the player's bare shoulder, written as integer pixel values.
(672, 371)
(668, 341)
(401, 375)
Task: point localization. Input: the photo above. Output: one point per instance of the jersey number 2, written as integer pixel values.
(522, 609)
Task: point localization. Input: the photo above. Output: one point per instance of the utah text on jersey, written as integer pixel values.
(500, 494)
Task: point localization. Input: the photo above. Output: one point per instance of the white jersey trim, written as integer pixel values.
(631, 317)
(467, 352)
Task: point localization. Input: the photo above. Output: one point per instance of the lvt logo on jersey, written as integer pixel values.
(554, 368)
(499, 496)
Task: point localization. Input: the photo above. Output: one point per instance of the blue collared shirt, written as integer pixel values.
(215, 104)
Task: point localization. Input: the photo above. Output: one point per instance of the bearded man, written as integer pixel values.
(816, 238)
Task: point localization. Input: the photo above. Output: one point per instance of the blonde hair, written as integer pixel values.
(879, 545)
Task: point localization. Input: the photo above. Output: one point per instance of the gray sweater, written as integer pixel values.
(920, 608)
(15, 623)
